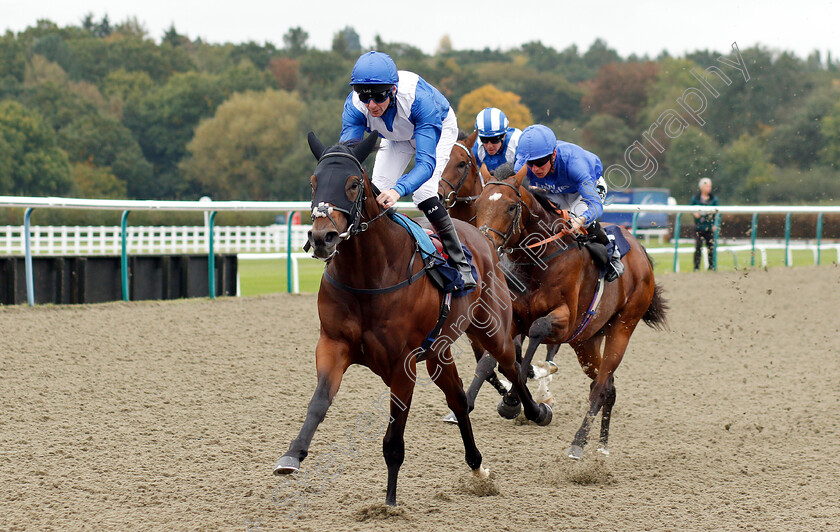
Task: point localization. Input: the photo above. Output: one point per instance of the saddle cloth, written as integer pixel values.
(445, 275)
(616, 238)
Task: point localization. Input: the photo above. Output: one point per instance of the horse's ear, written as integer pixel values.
(485, 173)
(519, 176)
(315, 145)
(363, 149)
(470, 140)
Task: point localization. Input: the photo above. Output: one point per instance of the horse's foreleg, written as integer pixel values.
(606, 412)
(484, 371)
(393, 444)
(331, 362)
(555, 323)
(519, 396)
(551, 352)
(602, 389)
(449, 382)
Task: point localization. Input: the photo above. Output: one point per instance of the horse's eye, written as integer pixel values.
(511, 208)
(354, 186)
(462, 164)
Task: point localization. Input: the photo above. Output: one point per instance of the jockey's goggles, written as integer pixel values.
(541, 161)
(377, 96)
(492, 140)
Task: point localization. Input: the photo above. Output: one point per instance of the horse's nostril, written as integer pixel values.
(330, 237)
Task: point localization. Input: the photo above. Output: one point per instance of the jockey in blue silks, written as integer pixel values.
(497, 141)
(415, 121)
(573, 180)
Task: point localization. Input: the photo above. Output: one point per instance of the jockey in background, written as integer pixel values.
(572, 178)
(415, 121)
(497, 142)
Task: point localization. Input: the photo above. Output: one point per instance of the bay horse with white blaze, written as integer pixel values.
(377, 306)
(460, 186)
(561, 283)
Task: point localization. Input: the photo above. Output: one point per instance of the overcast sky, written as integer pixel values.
(639, 26)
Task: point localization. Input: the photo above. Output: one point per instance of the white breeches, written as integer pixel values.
(394, 156)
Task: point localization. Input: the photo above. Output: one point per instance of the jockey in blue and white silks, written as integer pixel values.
(496, 140)
(572, 178)
(416, 122)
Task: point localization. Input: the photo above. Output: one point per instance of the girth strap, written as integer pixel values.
(593, 308)
(443, 314)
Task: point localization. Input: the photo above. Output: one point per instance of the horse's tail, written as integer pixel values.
(654, 316)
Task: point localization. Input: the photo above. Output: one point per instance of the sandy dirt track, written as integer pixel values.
(171, 415)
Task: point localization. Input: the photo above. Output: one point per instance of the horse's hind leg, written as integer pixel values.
(449, 382)
(331, 362)
(393, 444)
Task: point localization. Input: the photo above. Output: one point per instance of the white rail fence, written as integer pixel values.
(107, 240)
(265, 240)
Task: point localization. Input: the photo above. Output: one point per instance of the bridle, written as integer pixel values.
(355, 214)
(514, 224)
(452, 198)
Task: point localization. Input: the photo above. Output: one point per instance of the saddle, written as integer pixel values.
(444, 275)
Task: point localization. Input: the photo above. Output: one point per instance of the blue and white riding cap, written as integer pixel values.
(491, 122)
(536, 141)
(374, 68)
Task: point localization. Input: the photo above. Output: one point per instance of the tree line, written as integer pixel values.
(103, 110)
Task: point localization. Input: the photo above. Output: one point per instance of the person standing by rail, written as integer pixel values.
(704, 230)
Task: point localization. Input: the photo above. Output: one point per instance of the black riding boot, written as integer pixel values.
(440, 220)
(615, 268)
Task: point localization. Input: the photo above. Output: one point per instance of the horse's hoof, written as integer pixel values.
(450, 418)
(509, 411)
(482, 472)
(603, 449)
(575, 452)
(546, 415)
(287, 465)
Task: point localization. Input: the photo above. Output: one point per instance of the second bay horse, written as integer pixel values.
(559, 280)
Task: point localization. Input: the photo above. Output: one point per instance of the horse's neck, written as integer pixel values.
(545, 225)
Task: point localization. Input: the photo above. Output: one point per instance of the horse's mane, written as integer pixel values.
(506, 170)
(542, 198)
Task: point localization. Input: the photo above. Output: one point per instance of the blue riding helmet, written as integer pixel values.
(491, 122)
(374, 68)
(536, 141)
